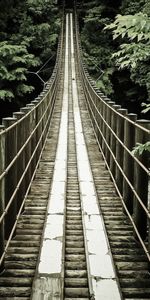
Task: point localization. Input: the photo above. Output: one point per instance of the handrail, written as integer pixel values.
(112, 127)
(29, 131)
(119, 114)
(147, 170)
(112, 131)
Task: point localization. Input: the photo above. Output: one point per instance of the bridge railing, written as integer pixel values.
(117, 132)
(22, 139)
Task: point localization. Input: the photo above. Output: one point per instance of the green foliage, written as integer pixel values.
(131, 54)
(127, 55)
(135, 27)
(23, 89)
(146, 109)
(14, 63)
(104, 82)
(135, 53)
(97, 47)
(6, 94)
(29, 32)
(140, 148)
(131, 6)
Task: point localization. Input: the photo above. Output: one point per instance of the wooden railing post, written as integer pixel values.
(46, 116)
(27, 150)
(104, 109)
(40, 128)
(108, 133)
(11, 177)
(99, 122)
(141, 182)
(119, 148)
(94, 111)
(33, 139)
(97, 115)
(42, 114)
(35, 102)
(2, 193)
(21, 158)
(128, 162)
(113, 139)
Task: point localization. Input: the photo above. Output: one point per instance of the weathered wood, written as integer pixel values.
(119, 148)
(104, 111)
(113, 139)
(75, 273)
(99, 121)
(23, 298)
(79, 298)
(11, 177)
(141, 182)
(78, 244)
(36, 102)
(136, 292)
(17, 281)
(134, 283)
(2, 193)
(21, 265)
(97, 100)
(75, 265)
(141, 274)
(33, 139)
(21, 257)
(129, 258)
(128, 162)
(20, 273)
(23, 250)
(40, 128)
(136, 266)
(108, 133)
(15, 291)
(76, 292)
(76, 282)
(21, 158)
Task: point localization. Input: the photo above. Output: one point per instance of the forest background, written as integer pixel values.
(115, 38)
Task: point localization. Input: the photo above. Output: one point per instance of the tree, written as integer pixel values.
(14, 63)
(97, 45)
(28, 39)
(134, 54)
(126, 87)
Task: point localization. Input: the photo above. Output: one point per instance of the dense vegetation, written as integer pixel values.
(28, 38)
(116, 42)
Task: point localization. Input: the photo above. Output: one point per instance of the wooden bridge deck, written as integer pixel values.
(92, 252)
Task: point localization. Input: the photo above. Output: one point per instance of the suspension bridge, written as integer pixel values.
(74, 208)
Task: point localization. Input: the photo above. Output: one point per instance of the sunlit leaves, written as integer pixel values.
(14, 63)
(131, 26)
(140, 148)
(146, 109)
(6, 94)
(30, 31)
(130, 54)
(135, 53)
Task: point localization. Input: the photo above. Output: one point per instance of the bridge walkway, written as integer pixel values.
(73, 239)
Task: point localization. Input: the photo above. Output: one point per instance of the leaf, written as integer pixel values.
(140, 36)
(23, 89)
(6, 94)
(146, 109)
(140, 148)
